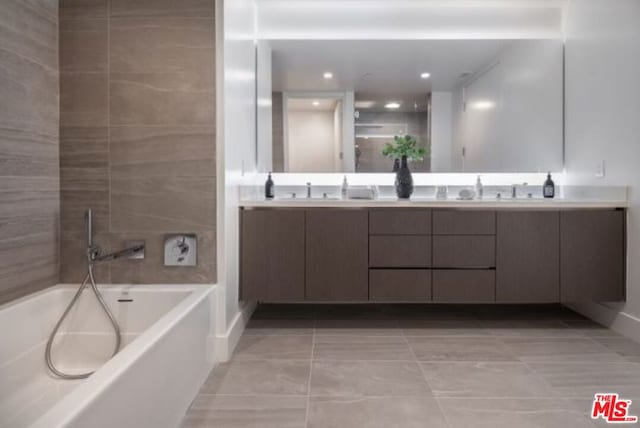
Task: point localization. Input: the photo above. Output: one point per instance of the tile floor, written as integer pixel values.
(346, 366)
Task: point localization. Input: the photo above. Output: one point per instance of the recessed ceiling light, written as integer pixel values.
(316, 103)
(425, 75)
(392, 105)
(328, 75)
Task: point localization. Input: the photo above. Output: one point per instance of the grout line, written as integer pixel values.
(424, 377)
(313, 342)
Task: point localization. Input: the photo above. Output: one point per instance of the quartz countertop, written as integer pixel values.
(491, 203)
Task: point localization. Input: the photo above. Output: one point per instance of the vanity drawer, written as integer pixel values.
(459, 286)
(399, 285)
(464, 222)
(400, 222)
(400, 251)
(464, 251)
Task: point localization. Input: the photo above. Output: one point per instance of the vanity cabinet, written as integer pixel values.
(432, 255)
(337, 244)
(272, 255)
(592, 255)
(528, 256)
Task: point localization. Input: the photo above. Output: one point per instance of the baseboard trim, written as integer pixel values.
(618, 321)
(226, 344)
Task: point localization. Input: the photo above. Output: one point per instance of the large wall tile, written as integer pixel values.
(162, 204)
(173, 8)
(162, 45)
(26, 83)
(162, 152)
(28, 263)
(83, 45)
(75, 203)
(27, 31)
(84, 159)
(138, 133)
(83, 9)
(161, 99)
(83, 99)
(27, 153)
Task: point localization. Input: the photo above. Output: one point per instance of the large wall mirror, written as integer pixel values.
(474, 105)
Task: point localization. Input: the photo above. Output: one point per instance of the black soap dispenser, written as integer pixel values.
(549, 188)
(269, 188)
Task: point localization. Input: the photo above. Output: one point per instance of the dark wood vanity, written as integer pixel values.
(435, 255)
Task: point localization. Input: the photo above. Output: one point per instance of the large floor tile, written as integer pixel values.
(357, 327)
(590, 328)
(629, 349)
(375, 412)
(268, 377)
(559, 349)
(279, 327)
(369, 348)
(460, 349)
(430, 328)
(530, 328)
(367, 378)
(273, 347)
(584, 379)
(484, 380)
(512, 413)
(223, 411)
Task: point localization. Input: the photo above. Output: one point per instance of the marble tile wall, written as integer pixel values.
(138, 133)
(29, 145)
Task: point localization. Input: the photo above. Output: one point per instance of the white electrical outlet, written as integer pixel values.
(180, 250)
(600, 169)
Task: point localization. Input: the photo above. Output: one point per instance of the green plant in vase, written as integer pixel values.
(405, 148)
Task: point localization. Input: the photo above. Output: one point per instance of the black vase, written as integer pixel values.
(396, 165)
(404, 181)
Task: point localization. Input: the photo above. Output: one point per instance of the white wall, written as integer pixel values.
(509, 117)
(236, 150)
(310, 141)
(441, 131)
(602, 61)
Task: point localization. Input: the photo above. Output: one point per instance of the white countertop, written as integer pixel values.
(523, 203)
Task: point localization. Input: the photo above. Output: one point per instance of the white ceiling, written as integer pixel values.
(380, 70)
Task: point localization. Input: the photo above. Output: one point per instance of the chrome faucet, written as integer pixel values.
(514, 191)
(308, 190)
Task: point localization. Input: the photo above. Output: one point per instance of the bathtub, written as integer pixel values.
(167, 351)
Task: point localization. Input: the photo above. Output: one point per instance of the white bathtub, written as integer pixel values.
(167, 352)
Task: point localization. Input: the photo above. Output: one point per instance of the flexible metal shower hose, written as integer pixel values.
(88, 279)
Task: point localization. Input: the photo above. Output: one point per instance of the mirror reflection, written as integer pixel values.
(472, 105)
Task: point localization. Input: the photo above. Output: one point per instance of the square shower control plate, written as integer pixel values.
(180, 250)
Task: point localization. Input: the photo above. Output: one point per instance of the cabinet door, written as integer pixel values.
(528, 257)
(399, 285)
(464, 286)
(592, 255)
(336, 255)
(272, 255)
